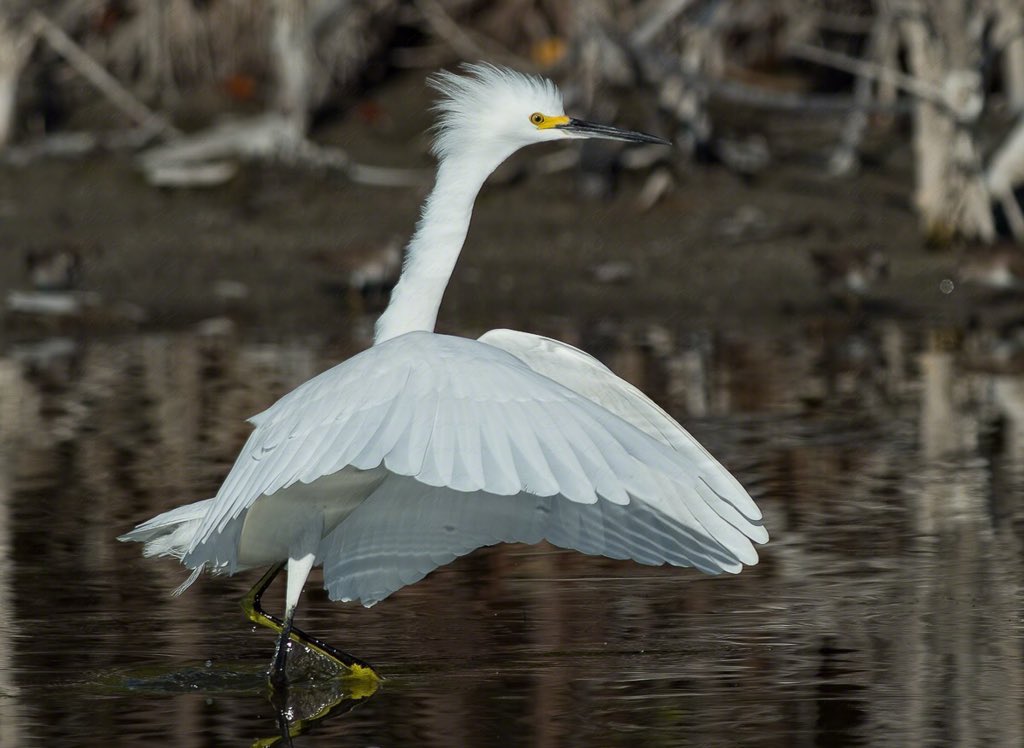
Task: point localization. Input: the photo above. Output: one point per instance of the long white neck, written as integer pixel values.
(436, 245)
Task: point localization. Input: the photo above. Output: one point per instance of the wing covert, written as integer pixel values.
(449, 412)
(585, 375)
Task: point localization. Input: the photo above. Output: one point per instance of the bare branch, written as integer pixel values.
(656, 65)
(1005, 172)
(845, 158)
(16, 45)
(665, 14)
(465, 45)
(92, 71)
(914, 86)
(207, 158)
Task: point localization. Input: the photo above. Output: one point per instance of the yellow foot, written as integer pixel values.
(365, 679)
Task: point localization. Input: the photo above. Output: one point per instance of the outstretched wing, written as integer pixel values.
(585, 375)
(463, 415)
(405, 530)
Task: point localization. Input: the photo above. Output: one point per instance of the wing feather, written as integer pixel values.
(406, 529)
(386, 423)
(589, 378)
(406, 457)
(393, 426)
(559, 453)
(583, 445)
(465, 417)
(496, 451)
(436, 470)
(536, 475)
(469, 471)
(729, 513)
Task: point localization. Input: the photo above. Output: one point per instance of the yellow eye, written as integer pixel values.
(537, 118)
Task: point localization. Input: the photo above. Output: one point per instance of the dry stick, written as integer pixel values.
(311, 154)
(92, 71)
(844, 158)
(15, 48)
(844, 23)
(1009, 44)
(664, 15)
(1013, 214)
(655, 65)
(908, 83)
(1005, 171)
(461, 42)
(200, 158)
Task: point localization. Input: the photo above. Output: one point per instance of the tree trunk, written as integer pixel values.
(157, 77)
(1008, 33)
(15, 47)
(845, 159)
(1006, 171)
(292, 54)
(1013, 73)
(951, 195)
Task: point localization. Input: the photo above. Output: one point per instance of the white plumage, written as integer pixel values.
(427, 446)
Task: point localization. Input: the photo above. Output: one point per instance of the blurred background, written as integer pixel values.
(205, 202)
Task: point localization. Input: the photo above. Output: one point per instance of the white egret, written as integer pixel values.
(425, 446)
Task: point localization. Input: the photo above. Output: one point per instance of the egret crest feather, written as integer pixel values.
(488, 99)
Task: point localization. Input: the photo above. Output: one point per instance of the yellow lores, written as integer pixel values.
(544, 122)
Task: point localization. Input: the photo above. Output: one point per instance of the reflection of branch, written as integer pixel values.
(460, 41)
(92, 71)
(914, 86)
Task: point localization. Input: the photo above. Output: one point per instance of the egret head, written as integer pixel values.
(496, 110)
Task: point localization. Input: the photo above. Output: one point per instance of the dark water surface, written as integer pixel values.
(886, 609)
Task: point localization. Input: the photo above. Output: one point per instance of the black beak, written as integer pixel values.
(584, 129)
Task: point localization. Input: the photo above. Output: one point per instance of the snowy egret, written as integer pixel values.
(425, 447)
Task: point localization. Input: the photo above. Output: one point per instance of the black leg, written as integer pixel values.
(278, 671)
(253, 608)
(251, 602)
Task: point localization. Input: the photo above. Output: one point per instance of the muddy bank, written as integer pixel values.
(720, 253)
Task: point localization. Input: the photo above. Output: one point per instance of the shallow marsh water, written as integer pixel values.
(886, 609)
